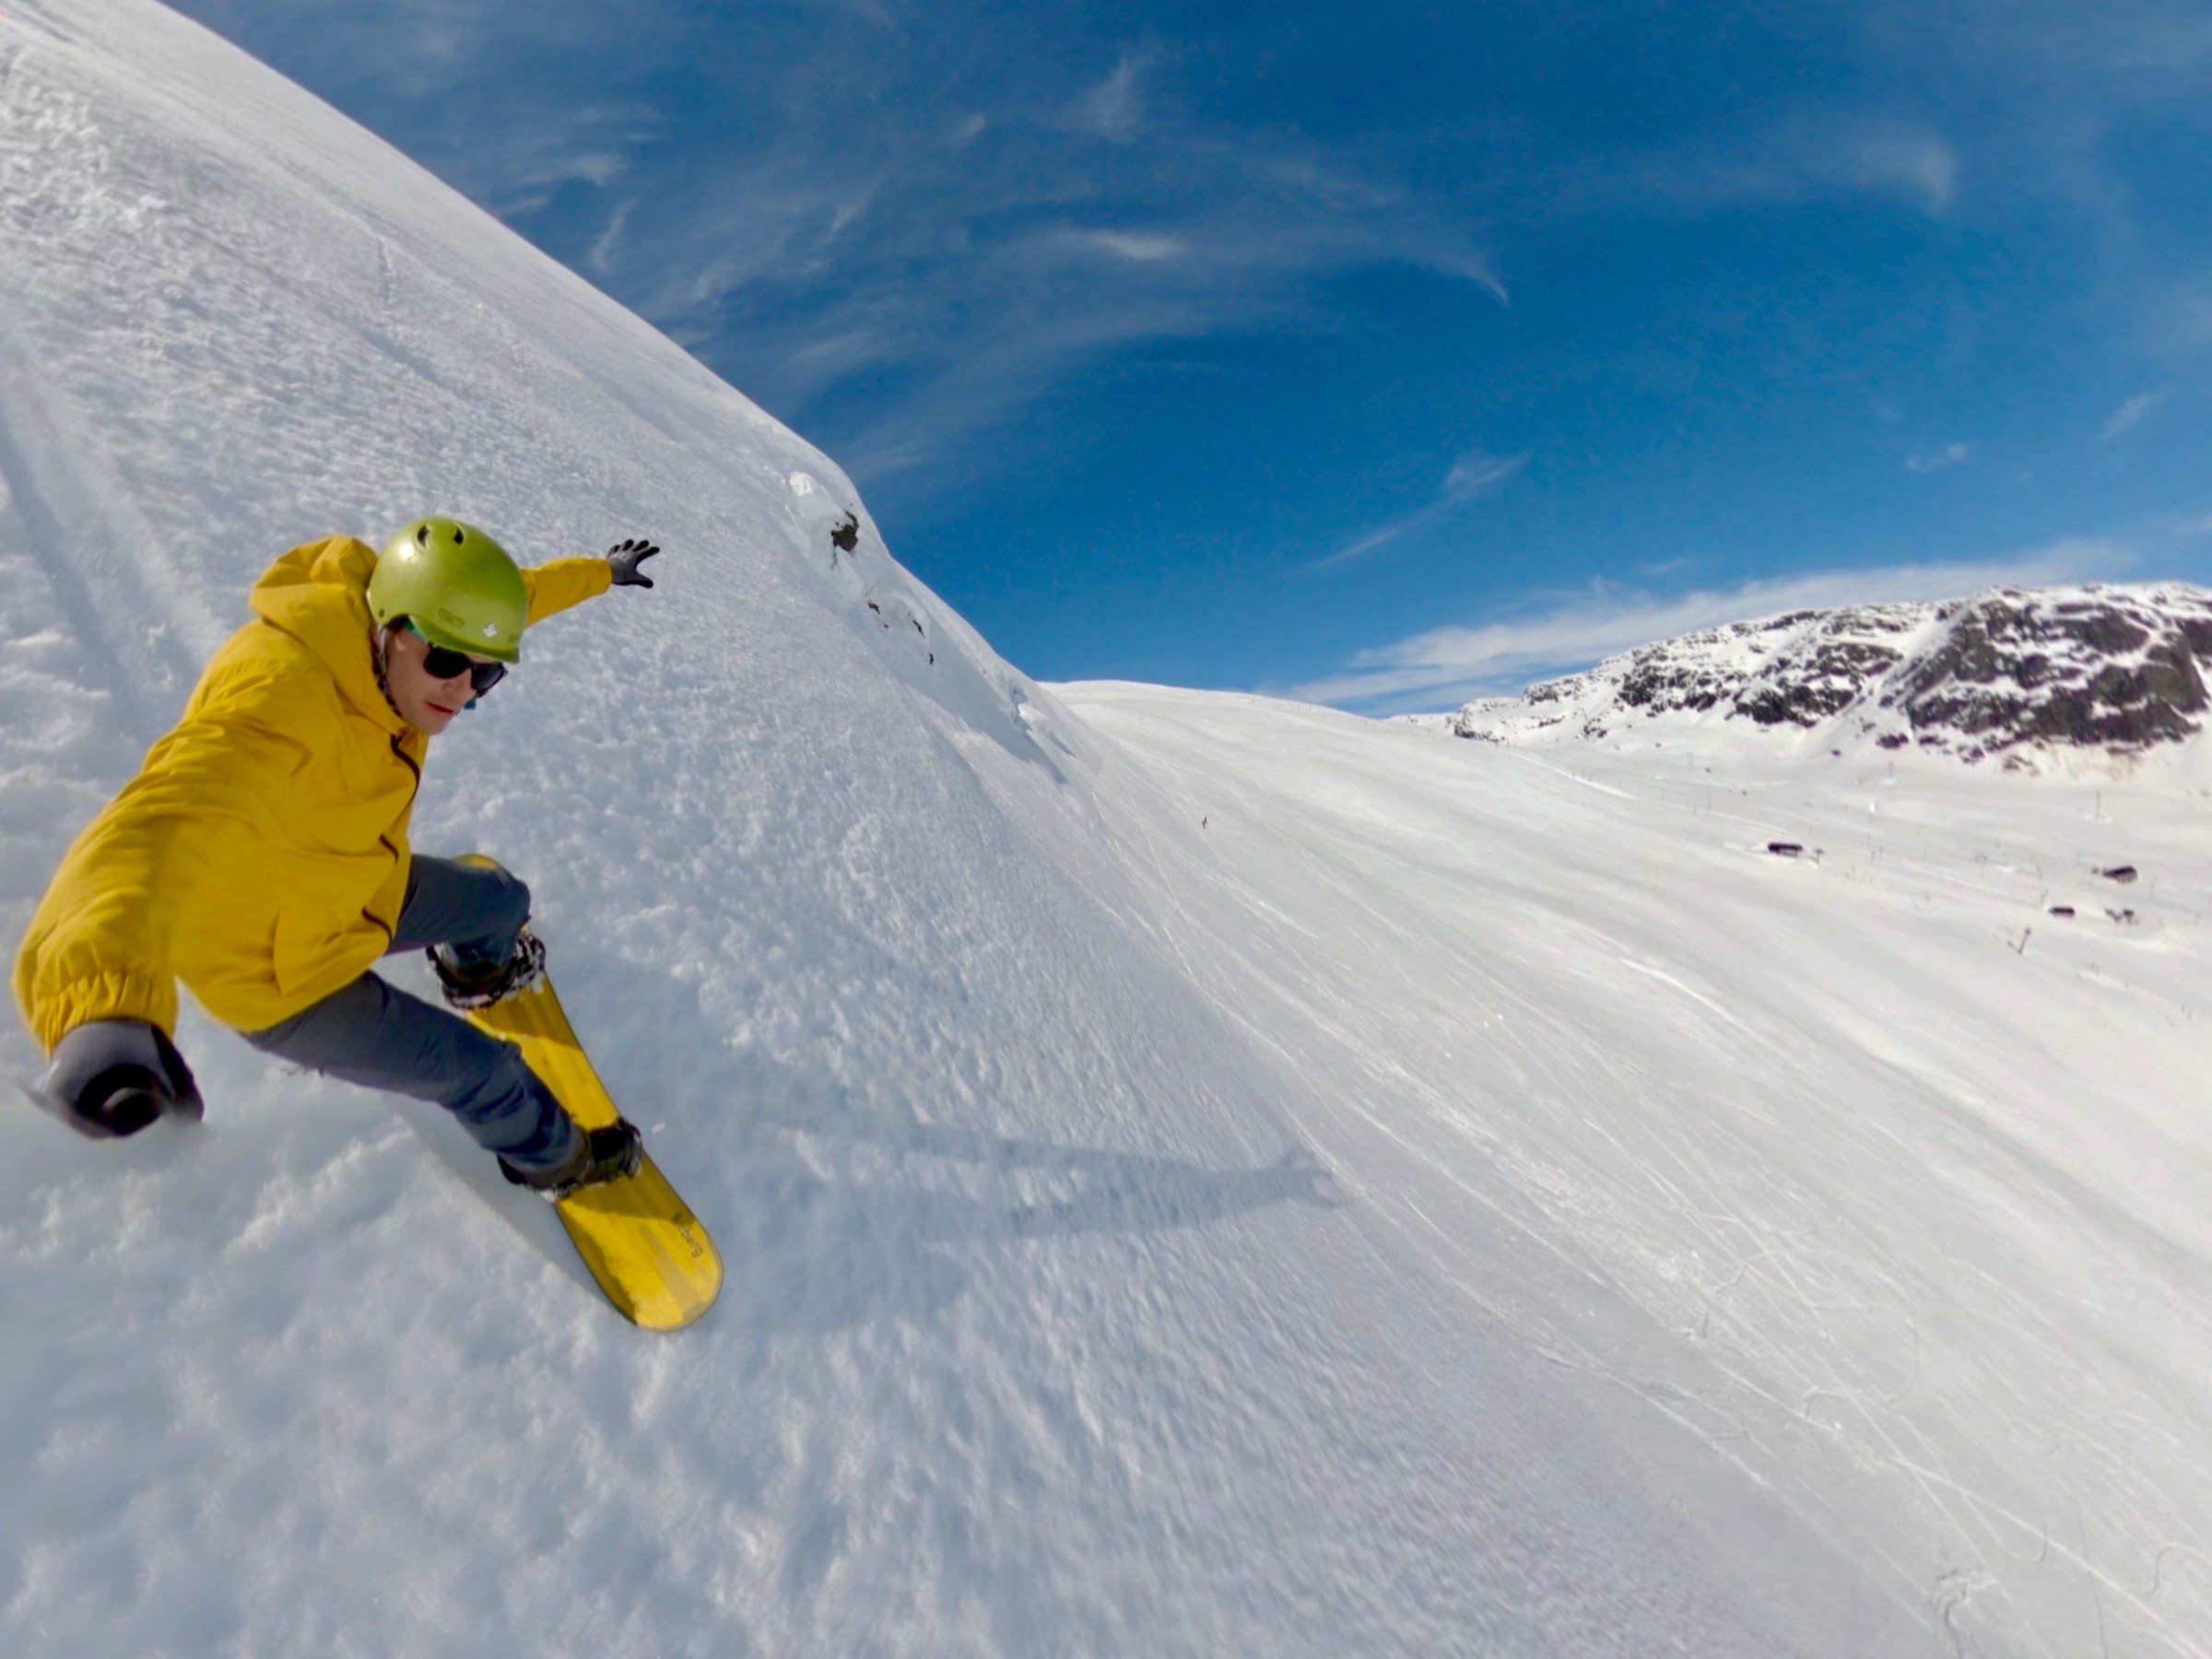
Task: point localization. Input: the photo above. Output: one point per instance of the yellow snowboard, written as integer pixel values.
(642, 1245)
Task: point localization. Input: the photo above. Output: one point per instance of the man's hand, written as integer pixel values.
(626, 557)
(112, 1077)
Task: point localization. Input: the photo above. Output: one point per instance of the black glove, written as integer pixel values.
(626, 557)
(112, 1077)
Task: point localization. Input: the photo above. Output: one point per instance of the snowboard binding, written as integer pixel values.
(611, 1152)
(469, 985)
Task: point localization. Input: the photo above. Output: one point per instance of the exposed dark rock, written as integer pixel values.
(2107, 671)
(2000, 677)
(1802, 703)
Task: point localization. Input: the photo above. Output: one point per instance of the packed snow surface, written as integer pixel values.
(1198, 1175)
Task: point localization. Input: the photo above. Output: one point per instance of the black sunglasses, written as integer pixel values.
(441, 664)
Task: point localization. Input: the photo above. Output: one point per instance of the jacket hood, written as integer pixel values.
(318, 594)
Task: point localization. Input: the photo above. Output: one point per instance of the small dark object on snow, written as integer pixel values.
(846, 536)
(2126, 918)
(1785, 849)
(2062, 910)
(2122, 874)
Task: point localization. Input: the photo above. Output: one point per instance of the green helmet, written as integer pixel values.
(456, 584)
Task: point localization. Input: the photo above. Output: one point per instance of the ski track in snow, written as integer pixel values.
(1452, 1203)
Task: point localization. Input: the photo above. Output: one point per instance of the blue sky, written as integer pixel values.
(1384, 355)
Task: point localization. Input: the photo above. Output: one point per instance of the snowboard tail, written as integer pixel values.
(638, 1239)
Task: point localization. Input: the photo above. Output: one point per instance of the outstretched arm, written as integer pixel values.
(101, 944)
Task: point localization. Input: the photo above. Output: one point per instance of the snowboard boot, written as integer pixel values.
(479, 984)
(608, 1153)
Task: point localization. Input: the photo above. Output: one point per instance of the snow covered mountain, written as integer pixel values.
(2022, 677)
(1197, 1175)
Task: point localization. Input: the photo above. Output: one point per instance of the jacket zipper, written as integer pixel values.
(389, 929)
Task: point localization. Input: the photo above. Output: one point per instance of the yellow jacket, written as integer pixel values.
(261, 853)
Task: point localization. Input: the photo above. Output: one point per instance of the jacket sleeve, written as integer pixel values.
(554, 587)
(100, 944)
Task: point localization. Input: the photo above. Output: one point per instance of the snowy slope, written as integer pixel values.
(1907, 1178)
(1411, 1213)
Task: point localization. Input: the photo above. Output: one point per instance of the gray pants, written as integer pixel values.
(370, 1034)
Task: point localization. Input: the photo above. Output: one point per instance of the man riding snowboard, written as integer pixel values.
(260, 856)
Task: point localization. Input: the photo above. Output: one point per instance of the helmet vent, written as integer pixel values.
(422, 536)
(460, 536)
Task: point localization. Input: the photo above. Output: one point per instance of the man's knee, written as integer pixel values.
(510, 903)
(494, 903)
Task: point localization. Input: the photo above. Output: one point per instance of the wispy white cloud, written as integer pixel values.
(1474, 474)
(2130, 415)
(1477, 473)
(2180, 320)
(1115, 109)
(517, 171)
(1447, 666)
(603, 251)
(2060, 45)
(1129, 245)
(1805, 157)
(978, 287)
(1912, 162)
(1940, 460)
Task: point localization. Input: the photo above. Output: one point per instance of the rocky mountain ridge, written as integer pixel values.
(2012, 675)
